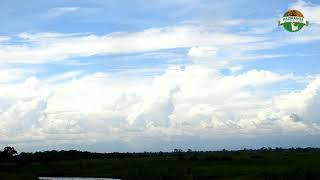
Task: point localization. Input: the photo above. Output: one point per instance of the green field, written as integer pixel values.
(228, 165)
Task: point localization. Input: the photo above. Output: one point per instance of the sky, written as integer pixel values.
(142, 75)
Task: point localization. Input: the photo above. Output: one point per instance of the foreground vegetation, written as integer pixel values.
(245, 164)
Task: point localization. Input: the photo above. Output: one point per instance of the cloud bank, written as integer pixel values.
(194, 102)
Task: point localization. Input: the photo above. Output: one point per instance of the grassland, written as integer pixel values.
(213, 165)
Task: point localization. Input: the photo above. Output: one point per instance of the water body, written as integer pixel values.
(73, 178)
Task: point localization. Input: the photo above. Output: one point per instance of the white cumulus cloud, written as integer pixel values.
(195, 101)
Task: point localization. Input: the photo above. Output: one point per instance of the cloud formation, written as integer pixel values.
(48, 47)
(196, 101)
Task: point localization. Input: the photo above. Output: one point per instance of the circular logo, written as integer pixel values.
(293, 21)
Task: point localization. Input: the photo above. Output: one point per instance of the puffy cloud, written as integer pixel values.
(23, 116)
(303, 104)
(195, 101)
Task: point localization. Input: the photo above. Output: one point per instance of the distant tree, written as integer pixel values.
(263, 149)
(160, 153)
(178, 150)
(9, 151)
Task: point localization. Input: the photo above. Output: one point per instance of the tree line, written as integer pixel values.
(9, 154)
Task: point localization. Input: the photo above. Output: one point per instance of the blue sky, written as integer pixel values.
(104, 17)
(157, 75)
